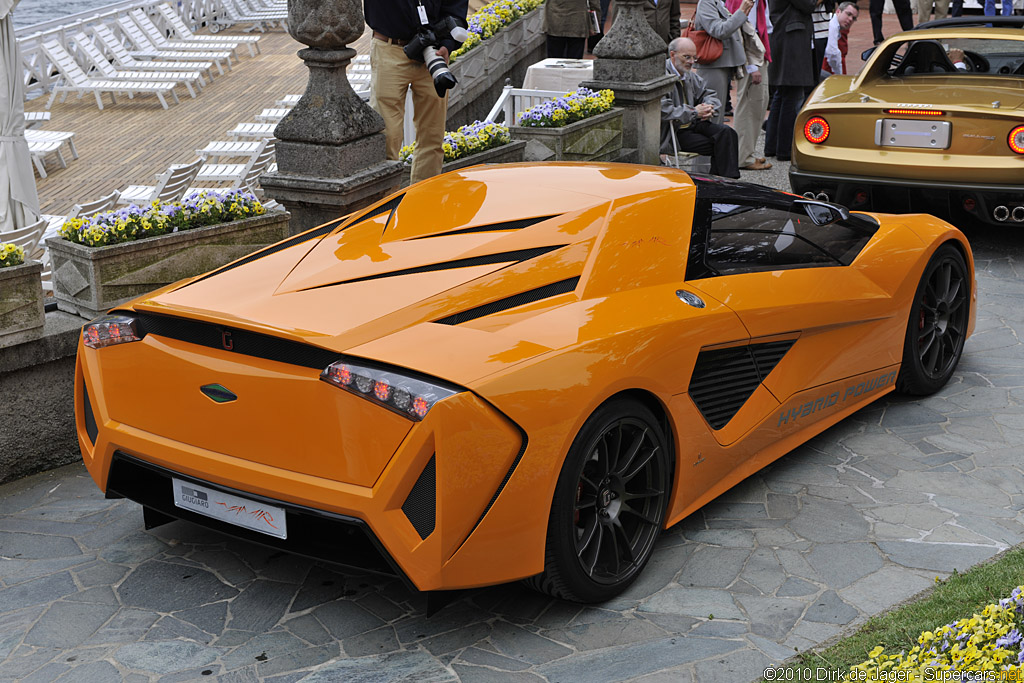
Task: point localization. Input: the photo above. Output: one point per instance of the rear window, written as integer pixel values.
(983, 56)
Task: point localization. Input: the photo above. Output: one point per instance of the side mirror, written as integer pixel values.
(823, 213)
(867, 53)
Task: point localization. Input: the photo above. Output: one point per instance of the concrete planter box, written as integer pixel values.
(505, 154)
(90, 280)
(597, 138)
(21, 303)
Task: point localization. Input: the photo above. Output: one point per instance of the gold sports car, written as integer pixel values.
(514, 371)
(915, 131)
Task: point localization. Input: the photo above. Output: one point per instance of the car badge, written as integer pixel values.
(226, 341)
(218, 393)
(690, 298)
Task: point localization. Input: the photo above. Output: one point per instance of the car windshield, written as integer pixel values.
(988, 56)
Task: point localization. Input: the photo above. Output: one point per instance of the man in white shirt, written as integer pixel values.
(838, 30)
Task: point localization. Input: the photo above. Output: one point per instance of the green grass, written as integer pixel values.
(961, 595)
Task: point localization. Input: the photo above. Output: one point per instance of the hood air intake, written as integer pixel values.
(724, 379)
(493, 227)
(513, 257)
(546, 292)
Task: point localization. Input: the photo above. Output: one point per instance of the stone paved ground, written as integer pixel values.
(866, 515)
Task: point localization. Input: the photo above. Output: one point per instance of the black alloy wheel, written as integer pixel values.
(938, 324)
(609, 504)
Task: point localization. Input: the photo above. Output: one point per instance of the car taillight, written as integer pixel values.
(816, 130)
(407, 396)
(914, 112)
(1016, 140)
(109, 330)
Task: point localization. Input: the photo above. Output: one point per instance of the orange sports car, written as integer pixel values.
(515, 372)
(932, 123)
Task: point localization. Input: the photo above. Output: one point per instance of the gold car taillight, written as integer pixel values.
(1016, 140)
(915, 112)
(816, 130)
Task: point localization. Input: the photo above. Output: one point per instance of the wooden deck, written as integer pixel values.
(132, 141)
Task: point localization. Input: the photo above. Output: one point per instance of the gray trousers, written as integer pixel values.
(750, 109)
(717, 79)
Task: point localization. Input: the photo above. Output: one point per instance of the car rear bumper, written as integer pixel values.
(900, 195)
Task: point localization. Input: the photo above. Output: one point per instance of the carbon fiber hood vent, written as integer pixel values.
(724, 379)
(521, 299)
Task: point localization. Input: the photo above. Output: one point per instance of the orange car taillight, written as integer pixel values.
(914, 112)
(1016, 140)
(109, 330)
(408, 396)
(816, 130)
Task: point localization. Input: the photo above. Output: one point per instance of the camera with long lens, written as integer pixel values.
(423, 48)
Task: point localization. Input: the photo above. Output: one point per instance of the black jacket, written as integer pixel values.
(399, 18)
(792, 34)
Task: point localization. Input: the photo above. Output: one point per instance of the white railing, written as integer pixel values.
(514, 101)
(39, 74)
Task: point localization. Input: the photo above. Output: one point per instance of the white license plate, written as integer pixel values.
(913, 133)
(266, 519)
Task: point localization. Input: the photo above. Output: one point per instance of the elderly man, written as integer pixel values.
(687, 110)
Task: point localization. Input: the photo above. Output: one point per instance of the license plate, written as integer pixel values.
(266, 519)
(913, 133)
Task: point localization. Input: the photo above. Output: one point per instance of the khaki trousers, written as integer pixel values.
(749, 112)
(924, 9)
(391, 75)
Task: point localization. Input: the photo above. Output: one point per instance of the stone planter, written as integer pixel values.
(90, 280)
(505, 154)
(21, 303)
(597, 138)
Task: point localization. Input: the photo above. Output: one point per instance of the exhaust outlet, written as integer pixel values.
(1000, 213)
(821, 196)
(1017, 214)
(809, 195)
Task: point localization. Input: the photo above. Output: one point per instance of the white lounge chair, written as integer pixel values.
(288, 101)
(43, 142)
(259, 20)
(157, 37)
(253, 130)
(230, 149)
(145, 48)
(182, 32)
(75, 80)
(123, 59)
(106, 70)
(272, 115)
(28, 238)
(170, 185)
(34, 119)
(54, 222)
(240, 176)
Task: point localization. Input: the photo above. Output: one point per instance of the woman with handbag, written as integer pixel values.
(712, 16)
(567, 25)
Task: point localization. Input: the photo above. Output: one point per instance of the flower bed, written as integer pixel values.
(490, 19)
(472, 138)
(11, 255)
(990, 641)
(134, 223)
(570, 108)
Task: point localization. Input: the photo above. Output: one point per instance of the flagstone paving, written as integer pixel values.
(864, 516)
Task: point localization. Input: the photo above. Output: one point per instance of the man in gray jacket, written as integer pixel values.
(687, 110)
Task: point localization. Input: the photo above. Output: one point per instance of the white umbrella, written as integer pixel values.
(19, 203)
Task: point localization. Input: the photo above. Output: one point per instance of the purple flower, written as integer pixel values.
(1011, 638)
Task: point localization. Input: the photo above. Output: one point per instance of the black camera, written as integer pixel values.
(423, 48)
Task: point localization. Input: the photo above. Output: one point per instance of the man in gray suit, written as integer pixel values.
(687, 110)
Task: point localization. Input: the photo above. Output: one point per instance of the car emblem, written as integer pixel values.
(690, 298)
(218, 393)
(226, 341)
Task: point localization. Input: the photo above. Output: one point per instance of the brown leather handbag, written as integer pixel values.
(709, 48)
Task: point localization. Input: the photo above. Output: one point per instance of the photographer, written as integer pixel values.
(395, 23)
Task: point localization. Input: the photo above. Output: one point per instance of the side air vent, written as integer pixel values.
(494, 227)
(386, 207)
(546, 292)
(514, 257)
(90, 418)
(724, 379)
(421, 504)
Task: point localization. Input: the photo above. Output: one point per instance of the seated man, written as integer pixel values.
(686, 112)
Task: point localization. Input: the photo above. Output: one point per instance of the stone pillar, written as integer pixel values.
(631, 61)
(330, 149)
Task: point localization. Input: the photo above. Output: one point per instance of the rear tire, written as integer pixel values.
(938, 323)
(609, 505)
